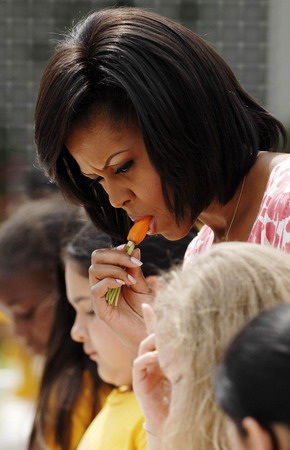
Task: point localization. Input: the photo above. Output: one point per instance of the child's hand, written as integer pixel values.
(151, 387)
(106, 272)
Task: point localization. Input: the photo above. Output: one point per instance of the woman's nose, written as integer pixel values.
(23, 328)
(78, 332)
(119, 196)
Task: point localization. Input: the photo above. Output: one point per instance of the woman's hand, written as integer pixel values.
(150, 385)
(107, 271)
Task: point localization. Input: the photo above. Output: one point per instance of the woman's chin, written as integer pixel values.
(175, 235)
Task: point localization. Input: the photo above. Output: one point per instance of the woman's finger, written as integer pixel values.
(100, 289)
(99, 272)
(115, 257)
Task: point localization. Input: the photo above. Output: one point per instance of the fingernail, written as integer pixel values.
(120, 247)
(119, 281)
(136, 261)
(132, 279)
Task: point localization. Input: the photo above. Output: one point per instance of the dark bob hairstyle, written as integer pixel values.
(253, 379)
(202, 131)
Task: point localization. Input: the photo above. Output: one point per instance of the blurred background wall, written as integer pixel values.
(252, 35)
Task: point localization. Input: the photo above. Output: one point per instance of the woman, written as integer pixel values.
(138, 116)
(252, 383)
(197, 314)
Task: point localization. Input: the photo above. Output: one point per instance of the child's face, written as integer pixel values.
(100, 343)
(31, 304)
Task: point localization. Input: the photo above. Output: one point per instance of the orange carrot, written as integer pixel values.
(139, 230)
(136, 235)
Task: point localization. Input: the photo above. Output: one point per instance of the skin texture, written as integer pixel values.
(32, 312)
(99, 342)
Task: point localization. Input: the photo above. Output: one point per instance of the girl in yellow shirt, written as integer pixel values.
(119, 425)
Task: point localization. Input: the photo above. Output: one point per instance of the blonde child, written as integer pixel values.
(119, 425)
(197, 315)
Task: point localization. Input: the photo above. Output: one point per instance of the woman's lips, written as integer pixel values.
(136, 218)
(91, 355)
(152, 226)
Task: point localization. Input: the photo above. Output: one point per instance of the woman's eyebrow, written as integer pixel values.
(81, 298)
(106, 163)
(112, 156)
(93, 175)
(14, 301)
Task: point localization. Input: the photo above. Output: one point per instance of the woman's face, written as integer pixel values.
(29, 299)
(100, 343)
(117, 159)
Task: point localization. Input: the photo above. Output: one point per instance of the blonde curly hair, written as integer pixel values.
(197, 314)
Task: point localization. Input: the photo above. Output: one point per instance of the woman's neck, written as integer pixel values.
(222, 218)
(248, 198)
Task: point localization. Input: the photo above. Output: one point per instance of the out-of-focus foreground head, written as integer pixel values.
(198, 313)
(252, 382)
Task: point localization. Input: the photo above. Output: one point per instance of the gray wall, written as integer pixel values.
(278, 92)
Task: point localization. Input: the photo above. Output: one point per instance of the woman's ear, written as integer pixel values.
(257, 438)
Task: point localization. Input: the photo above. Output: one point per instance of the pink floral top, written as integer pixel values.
(272, 225)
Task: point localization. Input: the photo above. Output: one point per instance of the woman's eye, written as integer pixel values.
(95, 181)
(121, 169)
(124, 167)
(90, 313)
(27, 315)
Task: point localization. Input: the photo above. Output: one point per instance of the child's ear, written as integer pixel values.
(149, 317)
(257, 437)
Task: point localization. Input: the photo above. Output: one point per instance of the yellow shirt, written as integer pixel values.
(81, 415)
(118, 426)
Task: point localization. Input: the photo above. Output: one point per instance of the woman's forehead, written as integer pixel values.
(20, 287)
